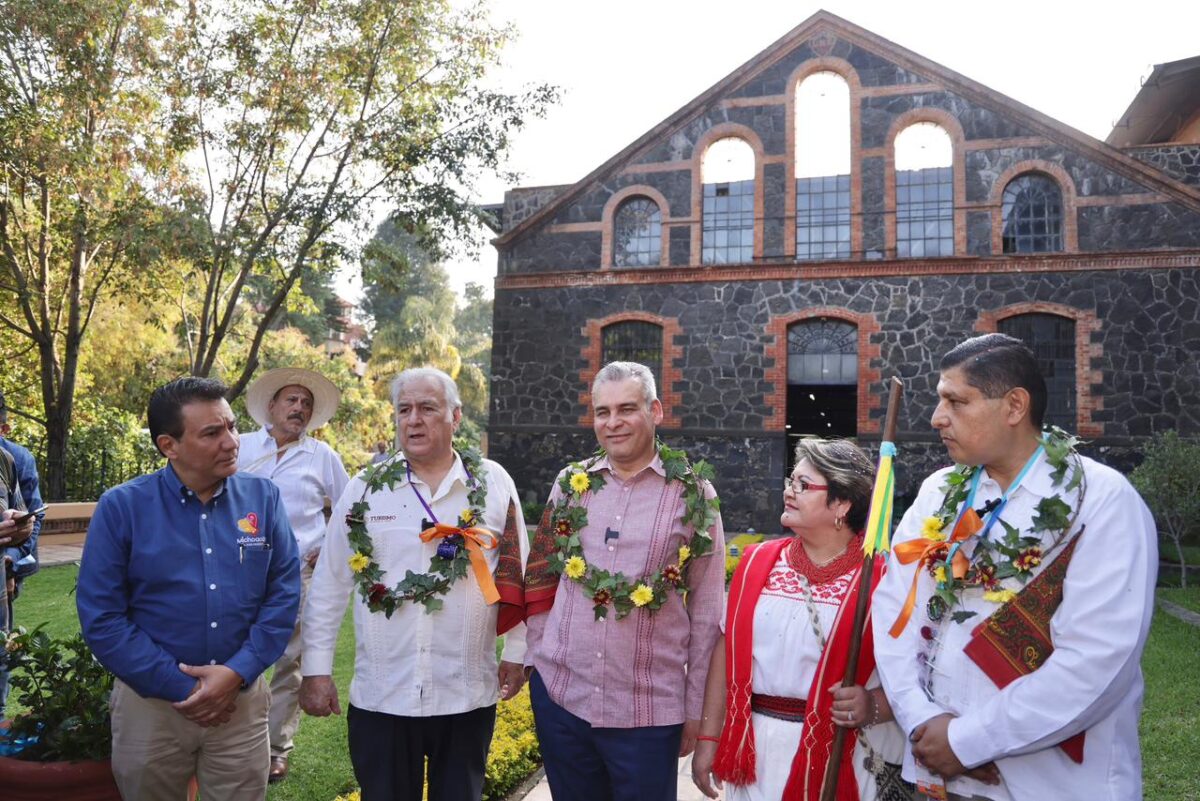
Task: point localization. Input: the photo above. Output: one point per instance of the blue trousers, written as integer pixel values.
(590, 763)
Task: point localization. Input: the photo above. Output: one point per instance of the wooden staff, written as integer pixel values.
(829, 787)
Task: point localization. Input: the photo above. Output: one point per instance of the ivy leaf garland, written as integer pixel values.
(422, 588)
(1014, 555)
(617, 590)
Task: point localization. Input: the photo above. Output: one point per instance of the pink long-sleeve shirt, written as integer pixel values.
(649, 668)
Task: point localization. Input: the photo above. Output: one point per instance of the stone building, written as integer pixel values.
(773, 278)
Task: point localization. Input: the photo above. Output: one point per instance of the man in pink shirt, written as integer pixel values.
(618, 657)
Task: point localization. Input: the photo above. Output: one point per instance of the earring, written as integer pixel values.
(838, 521)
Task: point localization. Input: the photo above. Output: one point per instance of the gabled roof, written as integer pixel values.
(1167, 99)
(1048, 127)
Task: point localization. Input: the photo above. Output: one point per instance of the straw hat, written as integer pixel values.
(325, 395)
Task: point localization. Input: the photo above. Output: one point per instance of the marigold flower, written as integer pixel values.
(999, 596)
(580, 482)
(602, 598)
(685, 553)
(359, 561)
(641, 595)
(672, 574)
(939, 574)
(563, 527)
(575, 567)
(931, 529)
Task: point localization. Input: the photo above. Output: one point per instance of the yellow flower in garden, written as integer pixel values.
(642, 595)
(684, 553)
(580, 482)
(358, 562)
(576, 567)
(999, 596)
(932, 529)
(939, 575)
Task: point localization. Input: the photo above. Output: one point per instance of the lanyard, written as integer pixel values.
(993, 515)
(428, 508)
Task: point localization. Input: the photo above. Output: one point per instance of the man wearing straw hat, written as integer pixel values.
(288, 402)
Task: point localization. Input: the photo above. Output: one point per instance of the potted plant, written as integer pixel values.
(59, 747)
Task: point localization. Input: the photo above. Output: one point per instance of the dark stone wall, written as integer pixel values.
(1181, 162)
(1148, 341)
(1162, 224)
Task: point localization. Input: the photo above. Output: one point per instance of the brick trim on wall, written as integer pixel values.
(948, 123)
(1070, 222)
(671, 351)
(608, 217)
(850, 75)
(722, 131)
(1087, 355)
(777, 359)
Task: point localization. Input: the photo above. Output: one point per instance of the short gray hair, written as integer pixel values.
(449, 388)
(620, 371)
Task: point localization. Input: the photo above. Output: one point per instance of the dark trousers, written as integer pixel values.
(589, 763)
(388, 753)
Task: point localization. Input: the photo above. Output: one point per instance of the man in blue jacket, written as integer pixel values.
(18, 559)
(188, 590)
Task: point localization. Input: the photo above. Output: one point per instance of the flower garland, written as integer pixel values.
(447, 565)
(616, 589)
(1012, 556)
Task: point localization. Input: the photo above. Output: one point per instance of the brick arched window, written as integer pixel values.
(1052, 340)
(1032, 214)
(727, 176)
(637, 233)
(822, 167)
(924, 157)
(633, 341)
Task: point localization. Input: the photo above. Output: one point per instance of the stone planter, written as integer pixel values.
(57, 781)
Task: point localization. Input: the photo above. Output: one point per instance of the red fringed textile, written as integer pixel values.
(735, 758)
(508, 575)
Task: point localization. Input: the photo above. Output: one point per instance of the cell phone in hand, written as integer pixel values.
(19, 519)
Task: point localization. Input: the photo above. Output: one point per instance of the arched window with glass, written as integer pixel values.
(727, 175)
(634, 341)
(924, 157)
(822, 167)
(637, 233)
(1032, 214)
(1052, 340)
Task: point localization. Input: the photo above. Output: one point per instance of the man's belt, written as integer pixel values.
(778, 707)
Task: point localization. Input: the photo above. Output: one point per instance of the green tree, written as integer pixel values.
(90, 192)
(307, 113)
(1169, 481)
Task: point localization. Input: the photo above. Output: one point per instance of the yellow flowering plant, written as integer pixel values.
(616, 590)
(358, 562)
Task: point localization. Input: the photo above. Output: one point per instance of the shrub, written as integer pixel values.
(66, 691)
(1169, 481)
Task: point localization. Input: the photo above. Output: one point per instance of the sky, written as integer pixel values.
(625, 65)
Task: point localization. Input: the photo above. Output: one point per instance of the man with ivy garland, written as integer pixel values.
(1010, 625)
(433, 545)
(619, 659)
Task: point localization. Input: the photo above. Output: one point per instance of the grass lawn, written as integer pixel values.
(1188, 599)
(320, 769)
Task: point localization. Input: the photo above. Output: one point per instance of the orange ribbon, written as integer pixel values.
(925, 550)
(477, 540)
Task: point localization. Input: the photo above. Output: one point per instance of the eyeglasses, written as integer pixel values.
(800, 486)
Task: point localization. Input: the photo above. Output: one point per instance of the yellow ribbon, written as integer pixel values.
(477, 540)
(925, 550)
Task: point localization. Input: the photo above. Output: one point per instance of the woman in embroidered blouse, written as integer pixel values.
(788, 625)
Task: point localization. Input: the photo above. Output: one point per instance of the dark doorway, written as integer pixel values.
(822, 396)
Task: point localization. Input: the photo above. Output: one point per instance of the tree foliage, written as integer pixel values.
(89, 193)
(1169, 481)
(306, 113)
